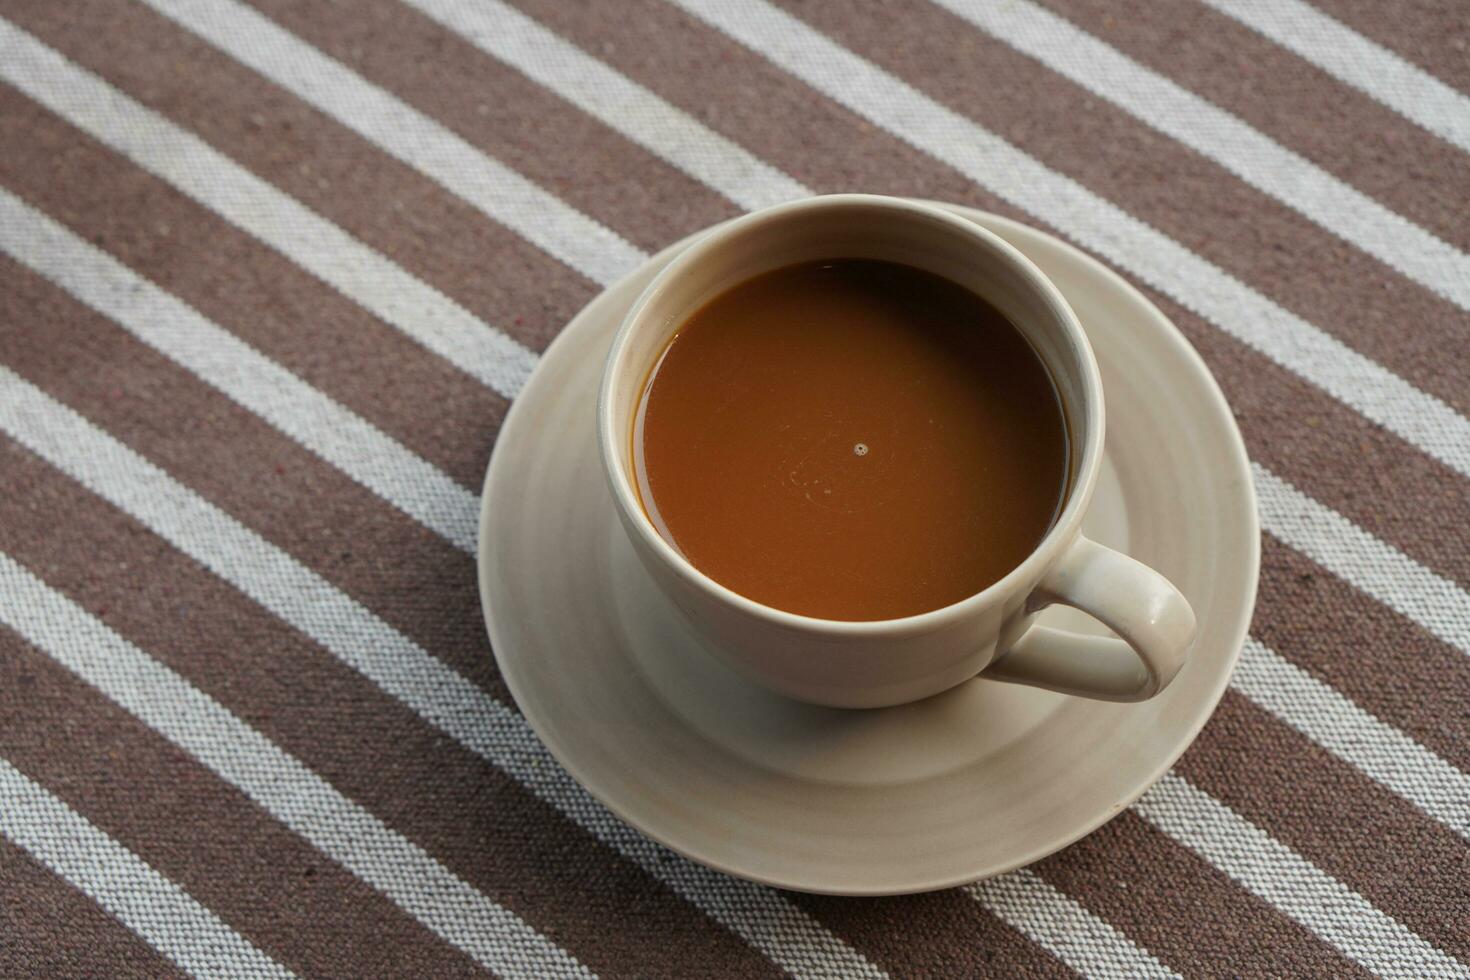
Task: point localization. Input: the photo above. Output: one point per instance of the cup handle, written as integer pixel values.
(1153, 620)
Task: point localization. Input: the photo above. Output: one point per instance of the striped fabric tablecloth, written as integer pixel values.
(273, 271)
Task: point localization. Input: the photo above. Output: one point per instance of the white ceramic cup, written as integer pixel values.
(886, 662)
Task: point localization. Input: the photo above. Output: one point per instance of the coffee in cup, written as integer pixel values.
(851, 439)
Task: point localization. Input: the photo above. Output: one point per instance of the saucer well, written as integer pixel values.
(979, 780)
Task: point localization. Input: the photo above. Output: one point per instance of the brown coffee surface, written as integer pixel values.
(851, 439)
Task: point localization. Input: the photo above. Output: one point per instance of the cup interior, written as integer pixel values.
(867, 227)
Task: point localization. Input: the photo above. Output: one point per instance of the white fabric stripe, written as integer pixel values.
(1281, 877)
(1362, 560)
(277, 781)
(395, 663)
(1060, 925)
(393, 125)
(217, 356)
(115, 878)
(1097, 224)
(511, 37)
(257, 207)
(1228, 140)
(1354, 60)
(1347, 731)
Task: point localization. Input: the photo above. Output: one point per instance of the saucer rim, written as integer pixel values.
(1208, 702)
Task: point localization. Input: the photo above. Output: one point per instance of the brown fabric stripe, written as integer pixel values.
(1345, 132)
(268, 884)
(1301, 433)
(1185, 911)
(511, 118)
(1430, 33)
(939, 934)
(483, 265)
(1181, 193)
(50, 929)
(406, 574)
(1410, 866)
(1388, 665)
(473, 817)
(246, 287)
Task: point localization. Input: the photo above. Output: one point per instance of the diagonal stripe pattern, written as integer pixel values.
(145, 901)
(1232, 143)
(1357, 61)
(1082, 932)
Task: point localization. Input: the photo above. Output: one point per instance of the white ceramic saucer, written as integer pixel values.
(982, 779)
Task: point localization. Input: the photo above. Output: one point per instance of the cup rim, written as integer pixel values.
(616, 463)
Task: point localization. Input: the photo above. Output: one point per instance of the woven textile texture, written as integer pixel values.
(272, 272)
